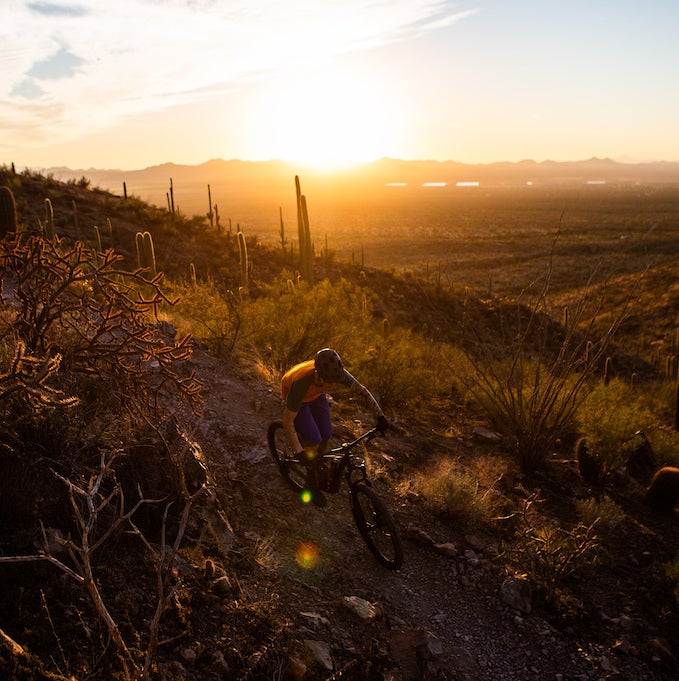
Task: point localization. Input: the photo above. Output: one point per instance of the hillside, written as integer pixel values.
(238, 601)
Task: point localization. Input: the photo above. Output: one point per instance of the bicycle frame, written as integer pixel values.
(342, 458)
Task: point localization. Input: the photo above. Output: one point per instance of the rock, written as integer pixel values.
(315, 618)
(364, 610)
(415, 650)
(476, 543)
(606, 664)
(418, 536)
(488, 435)
(188, 654)
(447, 549)
(296, 669)
(471, 557)
(219, 664)
(517, 593)
(320, 652)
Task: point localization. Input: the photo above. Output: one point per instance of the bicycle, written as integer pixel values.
(371, 516)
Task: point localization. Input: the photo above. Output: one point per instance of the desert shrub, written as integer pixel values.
(101, 318)
(665, 443)
(527, 403)
(530, 382)
(290, 322)
(209, 315)
(608, 419)
(549, 554)
(672, 573)
(605, 513)
(455, 494)
(403, 367)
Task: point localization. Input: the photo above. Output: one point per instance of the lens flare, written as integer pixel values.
(306, 555)
(306, 496)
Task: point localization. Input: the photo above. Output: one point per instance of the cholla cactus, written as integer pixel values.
(27, 377)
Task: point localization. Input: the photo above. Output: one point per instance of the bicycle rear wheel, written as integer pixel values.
(376, 526)
(292, 470)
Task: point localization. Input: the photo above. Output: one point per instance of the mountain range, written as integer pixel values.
(237, 179)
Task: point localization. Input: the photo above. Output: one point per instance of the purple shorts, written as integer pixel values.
(313, 421)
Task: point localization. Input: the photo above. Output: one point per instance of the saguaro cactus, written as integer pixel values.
(146, 256)
(210, 214)
(280, 212)
(49, 220)
(306, 260)
(8, 212)
(243, 255)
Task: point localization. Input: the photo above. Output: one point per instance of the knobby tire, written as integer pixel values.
(376, 526)
(293, 473)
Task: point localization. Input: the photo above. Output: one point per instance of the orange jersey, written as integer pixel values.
(299, 385)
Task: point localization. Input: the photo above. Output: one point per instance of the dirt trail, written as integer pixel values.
(451, 603)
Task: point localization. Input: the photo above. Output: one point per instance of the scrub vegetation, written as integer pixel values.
(534, 403)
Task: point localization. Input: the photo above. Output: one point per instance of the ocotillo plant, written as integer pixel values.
(243, 255)
(49, 220)
(8, 212)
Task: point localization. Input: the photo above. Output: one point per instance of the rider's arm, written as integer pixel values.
(289, 430)
(369, 398)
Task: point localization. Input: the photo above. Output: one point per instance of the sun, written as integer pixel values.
(327, 119)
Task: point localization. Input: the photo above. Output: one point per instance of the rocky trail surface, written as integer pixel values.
(444, 615)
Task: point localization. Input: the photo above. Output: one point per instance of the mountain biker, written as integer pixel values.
(306, 416)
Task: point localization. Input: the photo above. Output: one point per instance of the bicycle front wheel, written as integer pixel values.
(293, 472)
(376, 526)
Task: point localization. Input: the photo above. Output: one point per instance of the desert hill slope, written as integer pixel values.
(238, 599)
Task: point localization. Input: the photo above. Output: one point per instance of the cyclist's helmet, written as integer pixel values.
(329, 365)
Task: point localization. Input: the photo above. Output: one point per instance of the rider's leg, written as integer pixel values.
(307, 429)
(312, 437)
(320, 410)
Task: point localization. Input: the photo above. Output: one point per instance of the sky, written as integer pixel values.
(134, 83)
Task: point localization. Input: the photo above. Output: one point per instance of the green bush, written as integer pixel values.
(605, 513)
(290, 322)
(210, 316)
(608, 418)
(455, 494)
(403, 367)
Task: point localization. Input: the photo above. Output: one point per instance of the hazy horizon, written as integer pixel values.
(347, 168)
(139, 83)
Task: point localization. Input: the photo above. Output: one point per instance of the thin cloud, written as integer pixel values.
(99, 62)
(62, 64)
(54, 9)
